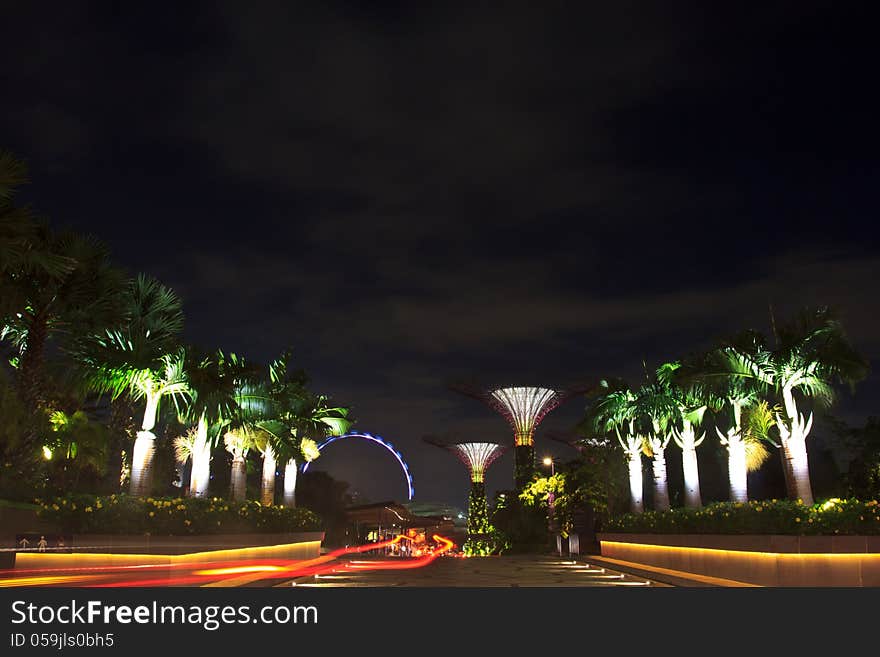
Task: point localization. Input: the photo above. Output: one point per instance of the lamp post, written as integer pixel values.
(551, 509)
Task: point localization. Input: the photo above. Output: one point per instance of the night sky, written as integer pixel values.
(409, 197)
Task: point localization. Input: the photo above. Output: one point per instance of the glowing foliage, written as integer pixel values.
(309, 449)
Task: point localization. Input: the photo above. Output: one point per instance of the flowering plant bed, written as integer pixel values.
(834, 516)
(123, 514)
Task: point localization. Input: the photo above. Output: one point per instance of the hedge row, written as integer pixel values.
(834, 516)
(122, 514)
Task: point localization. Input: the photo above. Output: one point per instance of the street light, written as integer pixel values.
(551, 507)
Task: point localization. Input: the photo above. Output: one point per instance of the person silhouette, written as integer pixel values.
(41, 546)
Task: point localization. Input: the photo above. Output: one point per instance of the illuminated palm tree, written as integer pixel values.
(735, 401)
(656, 410)
(290, 419)
(738, 399)
(238, 442)
(613, 410)
(314, 417)
(140, 358)
(266, 418)
(213, 381)
(267, 409)
(810, 354)
(689, 401)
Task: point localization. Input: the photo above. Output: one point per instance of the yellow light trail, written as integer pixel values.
(45, 580)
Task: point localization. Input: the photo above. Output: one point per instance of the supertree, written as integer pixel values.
(523, 407)
(477, 456)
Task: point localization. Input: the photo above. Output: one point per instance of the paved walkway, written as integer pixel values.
(503, 571)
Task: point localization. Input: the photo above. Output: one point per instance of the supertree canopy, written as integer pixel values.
(523, 407)
(477, 456)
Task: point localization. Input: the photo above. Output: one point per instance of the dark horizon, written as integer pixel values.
(408, 196)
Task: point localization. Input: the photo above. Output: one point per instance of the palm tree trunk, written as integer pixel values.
(794, 450)
(661, 491)
(289, 499)
(201, 461)
(636, 484)
(30, 370)
(267, 486)
(790, 489)
(737, 470)
(692, 498)
(142, 464)
(794, 453)
(144, 451)
(119, 427)
(238, 481)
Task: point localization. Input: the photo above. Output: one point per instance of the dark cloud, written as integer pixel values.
(411, 195)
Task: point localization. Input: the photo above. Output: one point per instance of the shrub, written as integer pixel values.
(122, 514)
(834, 516)
(483, 545)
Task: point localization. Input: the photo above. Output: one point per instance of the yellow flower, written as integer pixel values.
(98, 505)
(88, 509)
(797, 519)
(56, 507)
(187, 522)
(152, 514)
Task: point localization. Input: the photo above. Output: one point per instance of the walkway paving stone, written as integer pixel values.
(504, 571)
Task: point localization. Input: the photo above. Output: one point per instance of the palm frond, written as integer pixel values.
(184, 446)
(756, 454)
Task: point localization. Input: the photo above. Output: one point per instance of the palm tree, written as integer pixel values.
(689, 400)
(267, 481)
(81, 299)
(263, 422)
(738, 399)
(656, 410)
(614, 411)
(139, 358)
(314, 417)
(275, 442)
(810, 354)
(289, 418)
(213, 381)
(735, 441)
(238, 442)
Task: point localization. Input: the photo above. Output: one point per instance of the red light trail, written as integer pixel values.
(206, 572)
